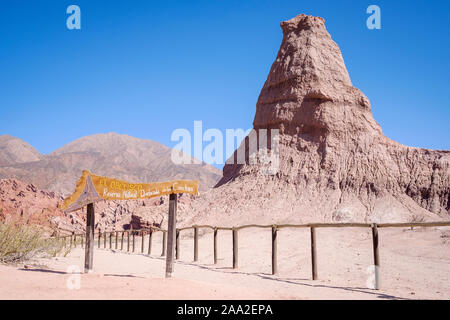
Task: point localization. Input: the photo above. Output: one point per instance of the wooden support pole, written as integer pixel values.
(150, 236)
(99, 238)
(128, 241)
(274, 251)
(164, 241)
(313, 253)
(71, 241)
(235, 248)
(376, 255)
(215, 245)
(117, 239)
(104, 240)
(89, 249)
(177, 245)
(134, 234)
(74, 240)
(121, 240)
(195, 244)
(143, 239)
(82, 241)
(110, 240)
(171, 229)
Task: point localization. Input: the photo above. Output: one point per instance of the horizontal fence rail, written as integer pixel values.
(131, 234)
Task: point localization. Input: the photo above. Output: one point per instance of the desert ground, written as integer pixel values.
(415, 264)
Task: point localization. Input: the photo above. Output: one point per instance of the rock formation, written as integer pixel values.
(26, 204)
(335, 164)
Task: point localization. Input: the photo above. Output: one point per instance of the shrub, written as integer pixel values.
(20, 242)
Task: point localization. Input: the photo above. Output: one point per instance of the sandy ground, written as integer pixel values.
(414, 265)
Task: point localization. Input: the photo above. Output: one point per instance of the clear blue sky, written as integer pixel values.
(145, 68)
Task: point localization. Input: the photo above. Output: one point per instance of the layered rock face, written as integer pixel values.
(335, 163)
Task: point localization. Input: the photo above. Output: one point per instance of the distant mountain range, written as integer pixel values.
(120, 156)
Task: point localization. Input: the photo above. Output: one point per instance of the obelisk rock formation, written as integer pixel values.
(335, 163)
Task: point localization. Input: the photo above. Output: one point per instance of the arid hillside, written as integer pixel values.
(32, 184)
(119, 156)
(14, 150)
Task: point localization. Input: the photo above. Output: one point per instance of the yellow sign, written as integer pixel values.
(91, 188)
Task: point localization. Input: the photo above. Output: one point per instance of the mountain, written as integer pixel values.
(14, 150)
(334, 163)
(113, 155)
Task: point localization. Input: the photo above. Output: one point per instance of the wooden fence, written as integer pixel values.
(131, 240)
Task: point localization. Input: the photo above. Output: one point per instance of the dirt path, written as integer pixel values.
(415, 265)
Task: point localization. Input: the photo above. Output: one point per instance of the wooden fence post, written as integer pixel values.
(104, 240)
(133, 234)
(128, 241)
(171, 230)
(117, 240)
(195, 244)
(82, 241)
(376, 255)
(163, 251)
(110, 240)
(74, 240)
(235, 248)
(89, 249)
(215, 245)
(274, 251)
(71, 241)
(150, 235)
(177, 245)
(313, 253)
(99, 238)
(121, 240)
(143, 239)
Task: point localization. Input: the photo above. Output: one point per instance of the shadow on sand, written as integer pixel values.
(292, 281)
(230, 270)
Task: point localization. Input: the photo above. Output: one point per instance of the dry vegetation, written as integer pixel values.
(20, 242)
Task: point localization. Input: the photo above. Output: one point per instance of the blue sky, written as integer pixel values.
(145, 68)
